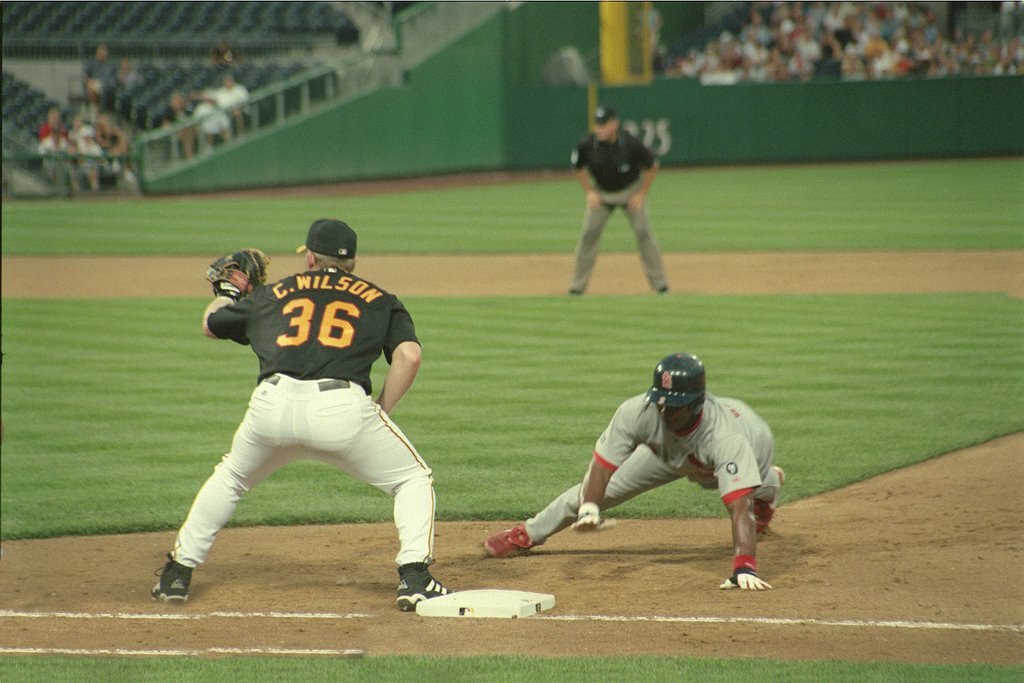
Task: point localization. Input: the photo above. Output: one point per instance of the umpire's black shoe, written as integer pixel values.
(417, 584)
(173, 583)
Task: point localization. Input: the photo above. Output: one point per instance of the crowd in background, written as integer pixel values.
(799, 41)
(776, 42)
(95, 150)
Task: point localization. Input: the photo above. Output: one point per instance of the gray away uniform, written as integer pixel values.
(731, 448)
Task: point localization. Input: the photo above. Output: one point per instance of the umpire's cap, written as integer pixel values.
(605, 113)
(330, 237)
(678, 381)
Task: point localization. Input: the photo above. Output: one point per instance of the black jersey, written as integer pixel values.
(316, 325)
(614, 165)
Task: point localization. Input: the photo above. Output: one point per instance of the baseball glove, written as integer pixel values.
(234, 275)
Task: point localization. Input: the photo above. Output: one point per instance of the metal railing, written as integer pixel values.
(167, 150)
(32, 174)
(423, 31)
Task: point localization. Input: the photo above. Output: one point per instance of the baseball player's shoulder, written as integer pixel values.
(728, 406)
(635, 408)
(355, 277)
(369, 292)
(722, 418)
(636, 403)
(714, 407)
(634, 144)
(283, 281)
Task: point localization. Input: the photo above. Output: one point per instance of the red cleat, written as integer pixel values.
(510, 542)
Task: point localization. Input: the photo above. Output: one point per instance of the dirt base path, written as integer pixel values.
(620, 273)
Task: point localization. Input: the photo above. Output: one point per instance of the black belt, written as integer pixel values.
(322, 384)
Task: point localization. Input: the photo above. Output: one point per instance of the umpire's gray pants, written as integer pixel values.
(594, 220)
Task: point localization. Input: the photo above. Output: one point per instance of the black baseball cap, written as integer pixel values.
(604, 114)
(330, 237)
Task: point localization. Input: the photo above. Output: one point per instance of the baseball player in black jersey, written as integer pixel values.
(616, 170)
(317, 334)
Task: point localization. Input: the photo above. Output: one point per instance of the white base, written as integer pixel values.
(487, 603)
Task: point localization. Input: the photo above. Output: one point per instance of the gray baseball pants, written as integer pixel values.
(594, 221)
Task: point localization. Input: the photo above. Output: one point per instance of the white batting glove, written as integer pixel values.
(747, 580)
(588, 518)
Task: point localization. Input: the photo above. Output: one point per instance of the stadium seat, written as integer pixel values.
(27, 19)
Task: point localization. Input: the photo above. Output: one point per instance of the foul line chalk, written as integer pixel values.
(779, 621)
(769, 621)
(180, 617)
(180, 653)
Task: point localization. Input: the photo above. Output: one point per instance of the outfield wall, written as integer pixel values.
(480, 105)
(688, 123)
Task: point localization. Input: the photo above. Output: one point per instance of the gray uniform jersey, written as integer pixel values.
(730, 447)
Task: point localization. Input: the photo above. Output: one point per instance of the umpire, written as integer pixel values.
(616, 170)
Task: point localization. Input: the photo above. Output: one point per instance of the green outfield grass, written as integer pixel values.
(974, 204)
(116, 431)
(116, 411)
(492, 669)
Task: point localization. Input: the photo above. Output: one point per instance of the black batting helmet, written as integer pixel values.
(678, 381)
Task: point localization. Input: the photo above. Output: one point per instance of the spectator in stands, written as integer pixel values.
(835, 17)
(90, 161)
(689, 66)
(177, 112)
(852, 68)
(233, 97)
(55, 146)
(944, 63)
(879, 40)
(1011, 60)
(756, 31)
(113, 140)
(871, 43)
(807, 49)
(778, 66)
(829, 67)
(100, 79)
(127, 77)
(223, 54)
(755, 60)
(215, 106)
(1011, 19)
(848, 32)
(75, 134)
(53, 127)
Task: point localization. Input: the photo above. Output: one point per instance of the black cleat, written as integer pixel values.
(173, 583)
(416, 584)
